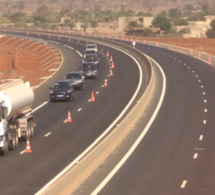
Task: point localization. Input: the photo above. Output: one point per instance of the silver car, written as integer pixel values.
(76, 79)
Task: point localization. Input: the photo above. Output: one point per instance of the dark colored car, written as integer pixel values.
(91, 58)
(89, 70)
(61, 90)
(76, 78)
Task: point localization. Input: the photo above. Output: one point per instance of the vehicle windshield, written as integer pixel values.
(91, 58)
(73, 76)
(60, 85)
(91, 47)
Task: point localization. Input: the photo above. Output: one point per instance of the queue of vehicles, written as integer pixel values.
(64, 89)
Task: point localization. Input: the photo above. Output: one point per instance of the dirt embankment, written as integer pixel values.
(31, 61)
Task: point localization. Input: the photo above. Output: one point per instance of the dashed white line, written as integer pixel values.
(195, 156)
(79, 109)
(205, 101)
(202, 86)
(97, 92)
(196, 75)
(46, 135)
(205, 110)
(204, 93)
(79, 53)
(199, 81)
(184, 183)
(69, 47)
(22, 152)
(201, 137)
(204, 122)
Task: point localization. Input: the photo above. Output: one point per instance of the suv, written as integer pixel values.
(76, 78)
(92, 47)
(61, 90)
(90, 70)
(91, 58)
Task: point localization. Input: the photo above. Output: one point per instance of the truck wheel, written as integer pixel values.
(12, 143)
(16, 139)
(31, 126)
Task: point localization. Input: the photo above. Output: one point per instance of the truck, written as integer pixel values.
(16, 120)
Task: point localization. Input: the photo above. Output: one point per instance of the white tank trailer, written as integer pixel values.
(16, 121)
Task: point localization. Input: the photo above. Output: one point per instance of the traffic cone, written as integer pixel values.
(59, 38)
(28, 147)
(38, 34)
(191, 52)
(69, 119)
(112, 65)
(50, 36)
(92, 97)
(111, 59)
(69, 40)
(105, 85)
(200, 55)
(209, 59)
(111, 73)
(107, 54)
(181, 50)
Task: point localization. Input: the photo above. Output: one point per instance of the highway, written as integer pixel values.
(56, 143)
(174, 158)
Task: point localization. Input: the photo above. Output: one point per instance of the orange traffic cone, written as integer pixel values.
(181, 49)
(107, 54)
(69, 119)
(105, 85)
(59, 38)
(92, 97)
(69, 40)
(111, 73)
(112, 66)
(200, 55)
(28, 147)
(111, 59)
(209, 59)
(191, 52)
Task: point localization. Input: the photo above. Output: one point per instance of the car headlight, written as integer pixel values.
(51, 92)
(78, 81)
(69, 91)
(95, 71)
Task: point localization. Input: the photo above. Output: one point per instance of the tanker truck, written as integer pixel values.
(16, 121)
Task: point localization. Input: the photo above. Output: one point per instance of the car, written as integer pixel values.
(91, 58)
(76, 78)
(92, 47)
(89, 70)
(61, 90)
(87, 52)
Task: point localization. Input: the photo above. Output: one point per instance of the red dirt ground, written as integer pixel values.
(26, 59)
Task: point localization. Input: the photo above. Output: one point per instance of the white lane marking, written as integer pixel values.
(65, 121)
(199, 81)
(204, 122)
(185, 64)
(184, 183)
(54, 42)
(188, 67)
(89, 100)
(69, 47)
(195, 156)
(193, 71)
(196, 76)
(204, 93)
(79, 53)
(79, 109)
(22, 152)
(202, 86)
(139, 139)
(97, 92)
(205, 101)
(59, 175)
(201, 137)
(41, 105)
(46, 135)
(205, 110)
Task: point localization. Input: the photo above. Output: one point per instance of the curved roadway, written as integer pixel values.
(57, 143)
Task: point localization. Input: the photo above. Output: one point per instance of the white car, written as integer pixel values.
(91, 47)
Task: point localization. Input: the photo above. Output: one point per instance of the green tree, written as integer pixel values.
(147, 32)
(175, 13)
(40, 21)
(17, 17)
(162, 22)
